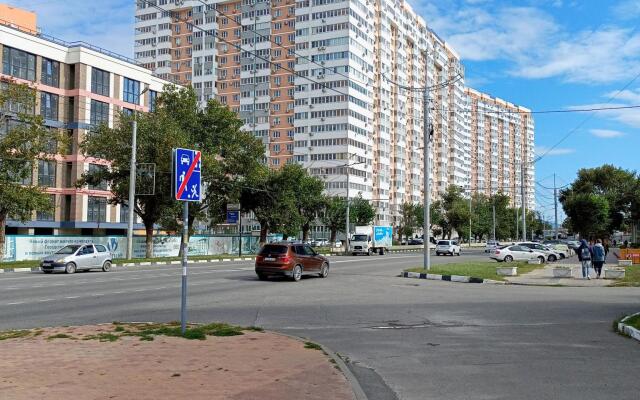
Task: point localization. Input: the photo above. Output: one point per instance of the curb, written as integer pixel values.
(627, 330)
(451, 278)
(358, 393)
(142, 264)
(8, 270)
(164, 263)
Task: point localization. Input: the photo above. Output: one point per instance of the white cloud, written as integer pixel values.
(103, 23)
(628, 9)
(558, 151)
(606, 133)
(533, 43)
(628, 116)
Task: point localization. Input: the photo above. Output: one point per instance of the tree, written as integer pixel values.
(481, 216)
(273, 204)
(456, 209)
(334, 216)
(228, 152)
(23, 141)
(408, 220)
(158, 133)
(361, 212)
(588, 214)
(437, 223)
(620, 190)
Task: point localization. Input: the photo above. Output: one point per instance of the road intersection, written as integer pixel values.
(403, 338)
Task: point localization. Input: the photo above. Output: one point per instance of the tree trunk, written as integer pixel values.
(148, 227)
(305, 232)
(263, 234)
(332, 237)
(3, 221)
(285, 236)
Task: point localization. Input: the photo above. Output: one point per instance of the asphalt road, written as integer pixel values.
(403, 338)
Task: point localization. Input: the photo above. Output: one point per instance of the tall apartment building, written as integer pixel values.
(322, 82)
(502, 144)
(78, 87)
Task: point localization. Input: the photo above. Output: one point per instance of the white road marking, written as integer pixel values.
(72, 297)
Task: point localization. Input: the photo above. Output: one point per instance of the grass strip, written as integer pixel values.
(631, 278)
(484, 270)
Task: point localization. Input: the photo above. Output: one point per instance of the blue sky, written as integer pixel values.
(542, 54)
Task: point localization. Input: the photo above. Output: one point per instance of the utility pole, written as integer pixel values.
(132, 179)
(555, 204)
(346, 229)
(132, 186)
(494, 217)
(469, 216)
(524, 203)
(427, 169)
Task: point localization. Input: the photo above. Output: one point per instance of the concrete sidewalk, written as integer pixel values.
(98, 362)
(544, 277)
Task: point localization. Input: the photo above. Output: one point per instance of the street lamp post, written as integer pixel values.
(427, 164)
(346, 229)
(132, 179)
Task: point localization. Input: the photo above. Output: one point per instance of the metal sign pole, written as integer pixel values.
(185, 253)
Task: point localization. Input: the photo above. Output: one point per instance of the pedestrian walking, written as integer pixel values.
(584, 255)
(599, 255)
(606, 251)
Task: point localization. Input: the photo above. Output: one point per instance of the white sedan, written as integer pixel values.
(517, 253)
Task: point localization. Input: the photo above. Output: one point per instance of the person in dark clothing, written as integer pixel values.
(598, 255)
(585, 256)
(606, 251)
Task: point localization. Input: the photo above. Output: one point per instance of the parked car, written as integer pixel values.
(550, 255)
(75, 257)
(416, 242)
(517, 253)
(447, 247)
(573, 244)
(491, 245)
(290, 259)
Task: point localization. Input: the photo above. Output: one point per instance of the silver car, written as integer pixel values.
(517, 253)
(76, 257)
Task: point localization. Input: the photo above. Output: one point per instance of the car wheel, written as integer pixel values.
(437, 253)
(552, 258)
(106, 267)
(541, 259)
(296, 274)
(262, 277)
(70, 268)
(369, 252)
(324, 270)
(508, 259)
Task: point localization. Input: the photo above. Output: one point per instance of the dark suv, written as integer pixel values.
(290, 259)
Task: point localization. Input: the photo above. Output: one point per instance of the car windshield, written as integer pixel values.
(359, 238)
(68, 249)
(443, 243)
(273, 249)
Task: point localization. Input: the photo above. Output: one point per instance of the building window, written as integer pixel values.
(97, 209)
(99, 113)
(50, 72)
(124, 213)
(100, 82)
(49, 106)
(131, 92)
(153, 99)
(18, 63)
(47, 215)
(46, 173)
(95, 168)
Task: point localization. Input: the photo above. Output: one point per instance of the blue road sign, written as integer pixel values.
(186, 173)
(233, 217)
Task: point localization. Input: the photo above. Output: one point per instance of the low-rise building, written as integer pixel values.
(79, 86)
